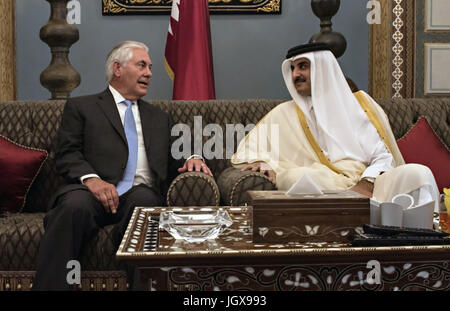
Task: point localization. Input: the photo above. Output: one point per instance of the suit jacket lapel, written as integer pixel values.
(109, 107)
(148, 122)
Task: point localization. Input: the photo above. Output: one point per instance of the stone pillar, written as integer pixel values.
(60, 78)
(8, 89)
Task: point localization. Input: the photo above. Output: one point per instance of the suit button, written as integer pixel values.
(124, 166)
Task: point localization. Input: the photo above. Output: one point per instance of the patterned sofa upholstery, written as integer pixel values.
(35, 124)
(402, 113)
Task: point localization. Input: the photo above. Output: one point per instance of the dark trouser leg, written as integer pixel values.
(68, 226)
(138, 196)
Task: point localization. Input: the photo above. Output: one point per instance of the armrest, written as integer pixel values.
(233, 185)
(193, 189)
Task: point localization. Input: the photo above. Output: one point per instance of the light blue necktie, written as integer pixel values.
(131, 133)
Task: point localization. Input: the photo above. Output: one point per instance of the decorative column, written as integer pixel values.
(325, 10)
(8, 88)
(60, 78)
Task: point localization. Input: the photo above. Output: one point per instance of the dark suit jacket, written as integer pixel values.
(91, 140)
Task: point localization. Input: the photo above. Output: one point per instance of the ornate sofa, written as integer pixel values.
(35, 124)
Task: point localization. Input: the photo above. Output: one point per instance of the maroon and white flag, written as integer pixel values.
(188, 54)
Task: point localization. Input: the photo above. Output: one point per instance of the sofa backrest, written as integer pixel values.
(403, 113)
(35, 124)
(220, 112)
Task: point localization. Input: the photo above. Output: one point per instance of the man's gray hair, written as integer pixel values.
(122, 53)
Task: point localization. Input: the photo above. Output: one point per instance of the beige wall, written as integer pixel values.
(7, 51)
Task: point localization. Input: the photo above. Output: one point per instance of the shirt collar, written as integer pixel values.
(118, 98)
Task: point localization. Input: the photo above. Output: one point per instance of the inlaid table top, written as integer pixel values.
(144, 244)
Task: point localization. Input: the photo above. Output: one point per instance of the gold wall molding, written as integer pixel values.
(396, 65)
(7, 51)
(380, 52)
(125, 7)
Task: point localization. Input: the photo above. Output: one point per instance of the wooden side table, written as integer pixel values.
(234, 262)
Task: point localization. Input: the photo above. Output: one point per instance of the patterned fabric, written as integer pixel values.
(234, 184)
(20, 235)
(193, 189)
(35, 124)
(225, 114)
(19, 166)
(404, 113)
(434, 154)
(220, 112)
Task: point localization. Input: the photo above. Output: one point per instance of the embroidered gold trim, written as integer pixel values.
(313, 142)
(365, 105)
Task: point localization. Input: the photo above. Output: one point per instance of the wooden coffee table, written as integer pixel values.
(234, 262)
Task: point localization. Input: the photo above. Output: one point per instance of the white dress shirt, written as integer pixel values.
(142, 175)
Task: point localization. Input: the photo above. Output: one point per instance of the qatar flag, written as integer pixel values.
(188, 54)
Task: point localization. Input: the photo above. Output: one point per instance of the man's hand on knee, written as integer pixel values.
(263, 168)
(105, 192)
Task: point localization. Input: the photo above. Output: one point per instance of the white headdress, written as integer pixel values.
(339, 115)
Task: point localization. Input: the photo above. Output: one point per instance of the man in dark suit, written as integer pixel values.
(114, 154)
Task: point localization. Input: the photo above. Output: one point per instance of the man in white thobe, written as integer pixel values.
(342, 140)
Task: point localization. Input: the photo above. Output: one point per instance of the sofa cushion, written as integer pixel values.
(421, 145)
(19, 166)
(35, 124)
(404, 113)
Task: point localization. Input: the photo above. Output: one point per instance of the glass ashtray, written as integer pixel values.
(195, 226)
